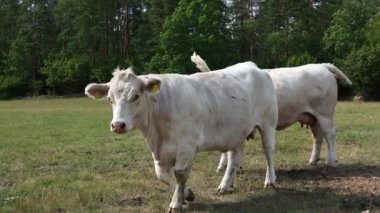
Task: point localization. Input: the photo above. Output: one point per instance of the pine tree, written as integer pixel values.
(200, 26)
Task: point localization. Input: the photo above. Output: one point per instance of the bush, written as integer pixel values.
(302, 59)
(362, 66)
(66, 76)
(12, 86)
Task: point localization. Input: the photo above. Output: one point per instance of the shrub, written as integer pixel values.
(362, 66)
(12, 86)
(66, 76)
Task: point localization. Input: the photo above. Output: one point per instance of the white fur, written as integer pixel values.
(302, 91)
(201, 112)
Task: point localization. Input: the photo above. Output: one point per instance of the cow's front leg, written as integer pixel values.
(163, 174)
(184, 160)
(234, 161)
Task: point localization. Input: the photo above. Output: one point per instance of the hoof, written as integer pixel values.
(272, 184)
(240, 171)
(332, 164)
(223, 192)
(313, 162)
(221, 169)
(174, 210)
(189, 195)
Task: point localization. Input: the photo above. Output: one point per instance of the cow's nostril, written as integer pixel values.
(118, 126)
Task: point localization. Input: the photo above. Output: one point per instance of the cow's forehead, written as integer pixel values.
(124, 80)
(123, 75)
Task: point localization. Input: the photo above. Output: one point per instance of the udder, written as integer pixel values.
(307, 119)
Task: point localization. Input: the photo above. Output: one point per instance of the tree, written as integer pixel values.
(291, 31)
(352, 43)
(34, 39)
(145, 42)
(363, 63)
(65, 76)
(346, 31)
(198, 25)
(60, 45)
(363, 67)
(9, 11)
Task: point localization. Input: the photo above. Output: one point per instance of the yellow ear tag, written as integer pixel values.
(156, 89)
(98, 95)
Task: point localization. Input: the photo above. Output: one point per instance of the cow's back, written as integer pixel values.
(310, 88)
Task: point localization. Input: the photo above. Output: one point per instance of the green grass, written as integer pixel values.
(59, 156)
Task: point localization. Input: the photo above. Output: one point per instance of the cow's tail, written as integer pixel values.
(332, 68)
(200, 63)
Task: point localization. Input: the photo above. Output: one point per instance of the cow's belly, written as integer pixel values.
(221, 139)
(302, 117)
(289, 111)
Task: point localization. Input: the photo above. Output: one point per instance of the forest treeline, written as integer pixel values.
(56, 47)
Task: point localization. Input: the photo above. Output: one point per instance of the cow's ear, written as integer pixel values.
(96, 91)
(152, 85)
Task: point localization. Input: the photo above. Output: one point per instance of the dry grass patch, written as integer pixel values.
(59, 156)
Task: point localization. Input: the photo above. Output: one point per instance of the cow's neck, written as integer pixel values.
(150, 128)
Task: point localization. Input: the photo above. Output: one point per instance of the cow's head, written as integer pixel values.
(129, 95)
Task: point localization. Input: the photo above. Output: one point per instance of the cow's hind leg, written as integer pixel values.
(268, 141)
(235, 157)
(317, 143)
(222, 162)
(184, 160)
(329, 131)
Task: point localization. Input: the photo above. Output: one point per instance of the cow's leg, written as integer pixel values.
(222, 162)
(317, 144)
(329, 131)
(184, 160)
(235, 157)
(163, 174)
(268, 141)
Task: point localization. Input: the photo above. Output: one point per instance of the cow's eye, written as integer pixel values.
(134, 97)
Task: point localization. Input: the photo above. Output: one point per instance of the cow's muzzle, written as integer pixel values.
(118, 127)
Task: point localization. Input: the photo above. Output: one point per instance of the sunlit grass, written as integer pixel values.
(59, 155)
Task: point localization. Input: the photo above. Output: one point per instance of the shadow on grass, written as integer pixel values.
(352, 188)
(324, 172)
(288, 200)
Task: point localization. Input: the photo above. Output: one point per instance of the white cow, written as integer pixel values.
(181, 115)
(306, 94)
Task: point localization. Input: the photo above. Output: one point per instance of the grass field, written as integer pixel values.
(60, 156)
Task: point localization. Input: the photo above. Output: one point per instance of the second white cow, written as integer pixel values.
(305, 94)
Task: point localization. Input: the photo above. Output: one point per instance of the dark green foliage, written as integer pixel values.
(66, 75)
(346, 32)
(352, 41)
(297, 60)
(12, 86)
(146, 40)
(363, 67)
(58, 46)
(196, 25)
(291, 29)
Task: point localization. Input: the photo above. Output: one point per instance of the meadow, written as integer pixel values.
(59, 155)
